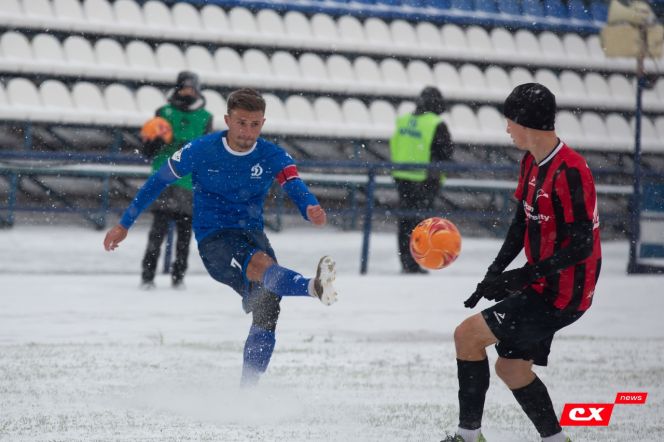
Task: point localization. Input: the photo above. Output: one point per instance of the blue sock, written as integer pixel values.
(284, 282)
(257, 353)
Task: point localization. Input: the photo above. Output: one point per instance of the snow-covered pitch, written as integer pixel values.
(85, 355)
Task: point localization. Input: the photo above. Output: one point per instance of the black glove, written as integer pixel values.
(150, 148)
(496, 287)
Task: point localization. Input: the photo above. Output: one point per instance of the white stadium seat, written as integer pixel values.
(187, 21)
(110, 56)
(479, 41)
(12, 13)
(520, 75)
(286, 69)
(200, 60)
(492, 123)
(429, 37)
(595, 132)
(395, 77)
(99, 14)
(404, 37)
(527, 44)
(569, 129)
(148, 100)
(464, 125)
(503, 44)
(271, 26)
(157, 17)
(129, 17)
(420, 74)
(229, 66)
(38, 12)
(121, 104)
(80, 56)
(623, 92)
(301, 116)
(324, 30)
(383, 115)
(573, 87)
(550, 80)
(298, 29)
(16, 52)
(498, 82)
(552, 46)
(141, 60)
(258, 68)
(170, 60)
(276, 119)
(356, 117)
(405, 107)
(649, 140)
(24, 99)
(329, 117)
(341, 72)
(243, 24)
(57, 102)
(367, 74)
(216, 105)
(659, 126)
(378, 33)
(619, 130)
(598, 89)
(447, 79)
(454, 39)
(314, 71)
(50, 56)
(215, 21)
(351, 31)
(473, 81)
(69, 13)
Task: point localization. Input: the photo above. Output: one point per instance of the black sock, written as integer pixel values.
(535, 400)
(473, 384)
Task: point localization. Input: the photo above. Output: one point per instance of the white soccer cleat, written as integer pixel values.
(322, 287)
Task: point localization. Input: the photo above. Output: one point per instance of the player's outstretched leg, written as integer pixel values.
(459, 438)
(286, 282)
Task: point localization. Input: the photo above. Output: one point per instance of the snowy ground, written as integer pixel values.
(85, 355)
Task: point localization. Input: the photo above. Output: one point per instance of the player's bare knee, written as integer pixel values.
(258, 263)
(515, 373)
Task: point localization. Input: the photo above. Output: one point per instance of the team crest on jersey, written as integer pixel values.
(532, 182)
(177, 156)
(256, 171)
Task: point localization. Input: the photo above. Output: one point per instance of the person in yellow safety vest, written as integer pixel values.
(419, 138)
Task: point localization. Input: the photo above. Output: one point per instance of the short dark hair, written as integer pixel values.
(247, 99)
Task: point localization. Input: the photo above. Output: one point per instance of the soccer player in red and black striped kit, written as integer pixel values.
(557, 223)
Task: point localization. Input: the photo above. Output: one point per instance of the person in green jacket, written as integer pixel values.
(185, 111)
(419, 138)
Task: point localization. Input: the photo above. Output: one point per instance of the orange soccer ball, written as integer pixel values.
(435, 243)
(157, 127)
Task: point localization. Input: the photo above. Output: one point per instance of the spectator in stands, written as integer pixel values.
(556, 223)
(233, 172)
(188, 119)
(419, 138)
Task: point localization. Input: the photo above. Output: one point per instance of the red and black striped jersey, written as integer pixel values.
(557, 193)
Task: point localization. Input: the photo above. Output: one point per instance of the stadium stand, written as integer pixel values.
(80, 76)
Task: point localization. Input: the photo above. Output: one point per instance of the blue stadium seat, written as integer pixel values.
(462, 5)
(510, 7)
(486, 6)
(555, 8)
(599, 10)
(578, 10)
(533, 8)
(439, 4)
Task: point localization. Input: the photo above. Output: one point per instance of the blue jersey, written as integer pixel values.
(229, 187)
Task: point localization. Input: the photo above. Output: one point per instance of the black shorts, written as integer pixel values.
(226, 254)
(525, 324)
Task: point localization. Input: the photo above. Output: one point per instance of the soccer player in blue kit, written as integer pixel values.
(232, 172)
